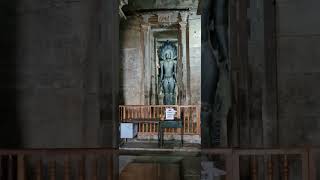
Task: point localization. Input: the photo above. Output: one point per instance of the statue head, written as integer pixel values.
(168, 55)
(167, 51)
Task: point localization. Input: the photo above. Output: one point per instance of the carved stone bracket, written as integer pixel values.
(145, 18)
(168, 18)
(184, 16)
(121, 4)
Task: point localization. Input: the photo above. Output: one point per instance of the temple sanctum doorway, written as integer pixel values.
(175, 55)
(161, 57)
(160, 69)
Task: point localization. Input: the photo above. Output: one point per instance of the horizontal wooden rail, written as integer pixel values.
(67, 164)
(272, 161)
(58, 151)
(190, 116)
(54, 164)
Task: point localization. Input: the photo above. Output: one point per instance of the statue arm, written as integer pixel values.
(175, 71)
(161, 71)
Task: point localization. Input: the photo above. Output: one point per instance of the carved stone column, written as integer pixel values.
(183, 25)
(146, 69)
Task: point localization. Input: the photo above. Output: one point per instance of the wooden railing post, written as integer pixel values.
(199, 120)
(270, 168)
(81, 167)
(1, 173)
(38, 170)
(94, 169)
(254, 168)
(285, 168)
(236, 169)
(305, 164)
(52, 170)
(10, 168)
(67, 168)
(311, 165)
(110, 167)
(229, 166)
(21, 167)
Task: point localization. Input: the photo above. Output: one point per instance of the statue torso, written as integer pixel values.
(168, 68)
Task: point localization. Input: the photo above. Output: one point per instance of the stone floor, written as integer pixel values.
(144, 159)
(159, 167)
(136, 144)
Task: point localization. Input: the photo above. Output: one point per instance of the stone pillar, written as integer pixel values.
(146, 69)
(108, 55)
(153, 70)
(269, 88)
(183, 66)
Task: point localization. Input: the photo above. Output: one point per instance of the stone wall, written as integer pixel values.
(292, 119)
(256, 71)
(131, 73)
(298, 72)
(55, 67)
(161, 4)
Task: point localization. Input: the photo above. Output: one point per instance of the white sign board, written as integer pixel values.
(170, 113)
(128, 130)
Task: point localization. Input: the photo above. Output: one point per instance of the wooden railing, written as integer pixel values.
(56, 164)
(96, 164)
(269, 164)
(190, 116)
(255, 164)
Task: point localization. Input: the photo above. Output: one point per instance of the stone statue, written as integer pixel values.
(168, 71)
(215, 64)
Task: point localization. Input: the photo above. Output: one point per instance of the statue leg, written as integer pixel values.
(171, 90)
(166, 90)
